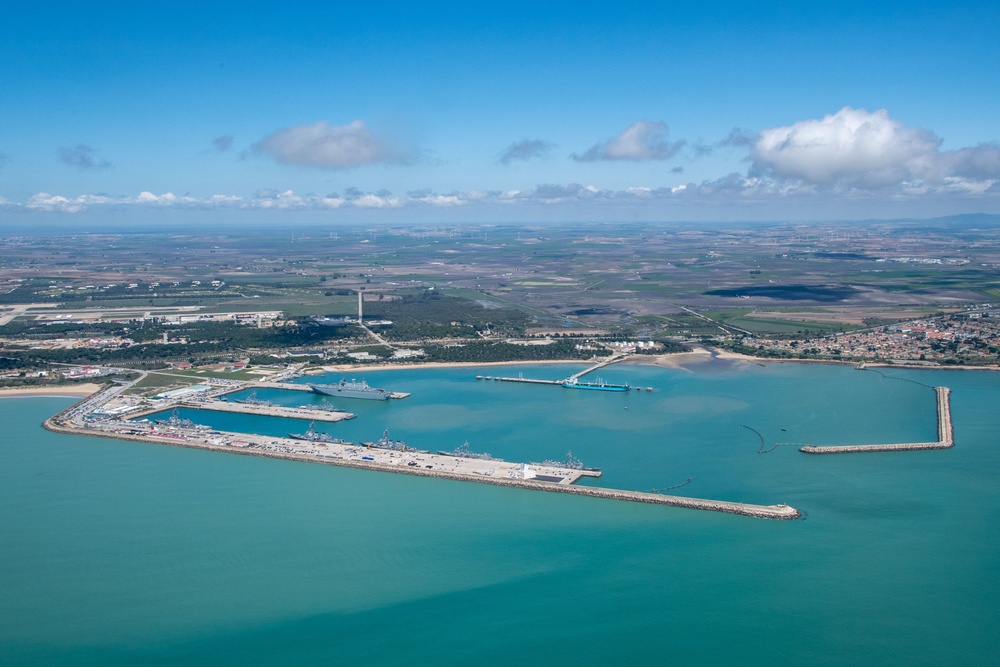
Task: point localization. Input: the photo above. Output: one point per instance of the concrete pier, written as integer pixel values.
(614, 358)
(250, 409)
(526, 380)
(537, 477)
(945, 429)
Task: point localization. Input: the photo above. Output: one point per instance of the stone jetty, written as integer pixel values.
(946, 437)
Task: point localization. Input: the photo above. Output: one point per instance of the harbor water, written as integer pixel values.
(115, 552)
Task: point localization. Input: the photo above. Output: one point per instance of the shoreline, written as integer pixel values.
(56, 391)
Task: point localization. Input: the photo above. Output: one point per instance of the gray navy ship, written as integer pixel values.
(385, 442)
(312, 435)
(352, 389)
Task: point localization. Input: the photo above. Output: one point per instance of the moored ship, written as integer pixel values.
(463, 452)
(312, 435)
(385, 442)
(571, 462)
(600, 385)
(253, 400)
(176, 421)
(352, 389)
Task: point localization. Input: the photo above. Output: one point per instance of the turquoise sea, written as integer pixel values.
(119, 553)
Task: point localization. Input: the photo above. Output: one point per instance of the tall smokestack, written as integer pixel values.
(359, 306)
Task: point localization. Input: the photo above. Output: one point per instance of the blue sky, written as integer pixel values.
(509, 112)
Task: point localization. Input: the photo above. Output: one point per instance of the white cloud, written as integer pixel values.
(444, 200)
(642, 140)
(375, 201)
(43, 201)
(858, 149)
(325, 145)
(731, 190)
(853, 147)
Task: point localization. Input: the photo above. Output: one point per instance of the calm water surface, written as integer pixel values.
(123, 553)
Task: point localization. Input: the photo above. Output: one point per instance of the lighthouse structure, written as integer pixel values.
(359, 306)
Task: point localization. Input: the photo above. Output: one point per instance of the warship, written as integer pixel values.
(312, 435)
(385, 442)
(352, 389)
(571, 462)
(177, 421)
(463, 452)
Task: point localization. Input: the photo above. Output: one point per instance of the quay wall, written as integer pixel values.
(945, 428)
(744, 509)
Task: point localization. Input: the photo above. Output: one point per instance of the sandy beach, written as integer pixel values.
(73, 390)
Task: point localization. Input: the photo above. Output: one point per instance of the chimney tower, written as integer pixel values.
(359, 307)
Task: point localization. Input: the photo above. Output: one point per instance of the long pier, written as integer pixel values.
(215, 405)
(536, 477)
(601, 364)
(614, 358)
(269, 410)
(946, 434)
(518, 379)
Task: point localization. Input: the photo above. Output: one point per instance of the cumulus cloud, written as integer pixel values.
(525, 150)
(83, 157)
(642, 140)
(328, 146)
(223, 143)
(854, 147)
(858, 149)
(980, 162)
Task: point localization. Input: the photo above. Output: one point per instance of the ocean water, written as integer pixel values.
(114, 552)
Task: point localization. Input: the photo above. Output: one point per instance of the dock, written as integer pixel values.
(614, 358)
(250, 409)
(536, 477)
(945, 428)
(572, 379)
(518, 379)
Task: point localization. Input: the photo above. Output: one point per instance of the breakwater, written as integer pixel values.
(549, 479)
(946, 437)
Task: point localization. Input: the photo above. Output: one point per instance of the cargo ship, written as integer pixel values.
(312, 435)
(600, 385)
(352, 389)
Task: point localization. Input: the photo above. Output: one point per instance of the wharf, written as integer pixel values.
(518, 379)
(292, 386)
(618, 356)
(946, 437)
(250, 409)
(572, 379)
(440, 466)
